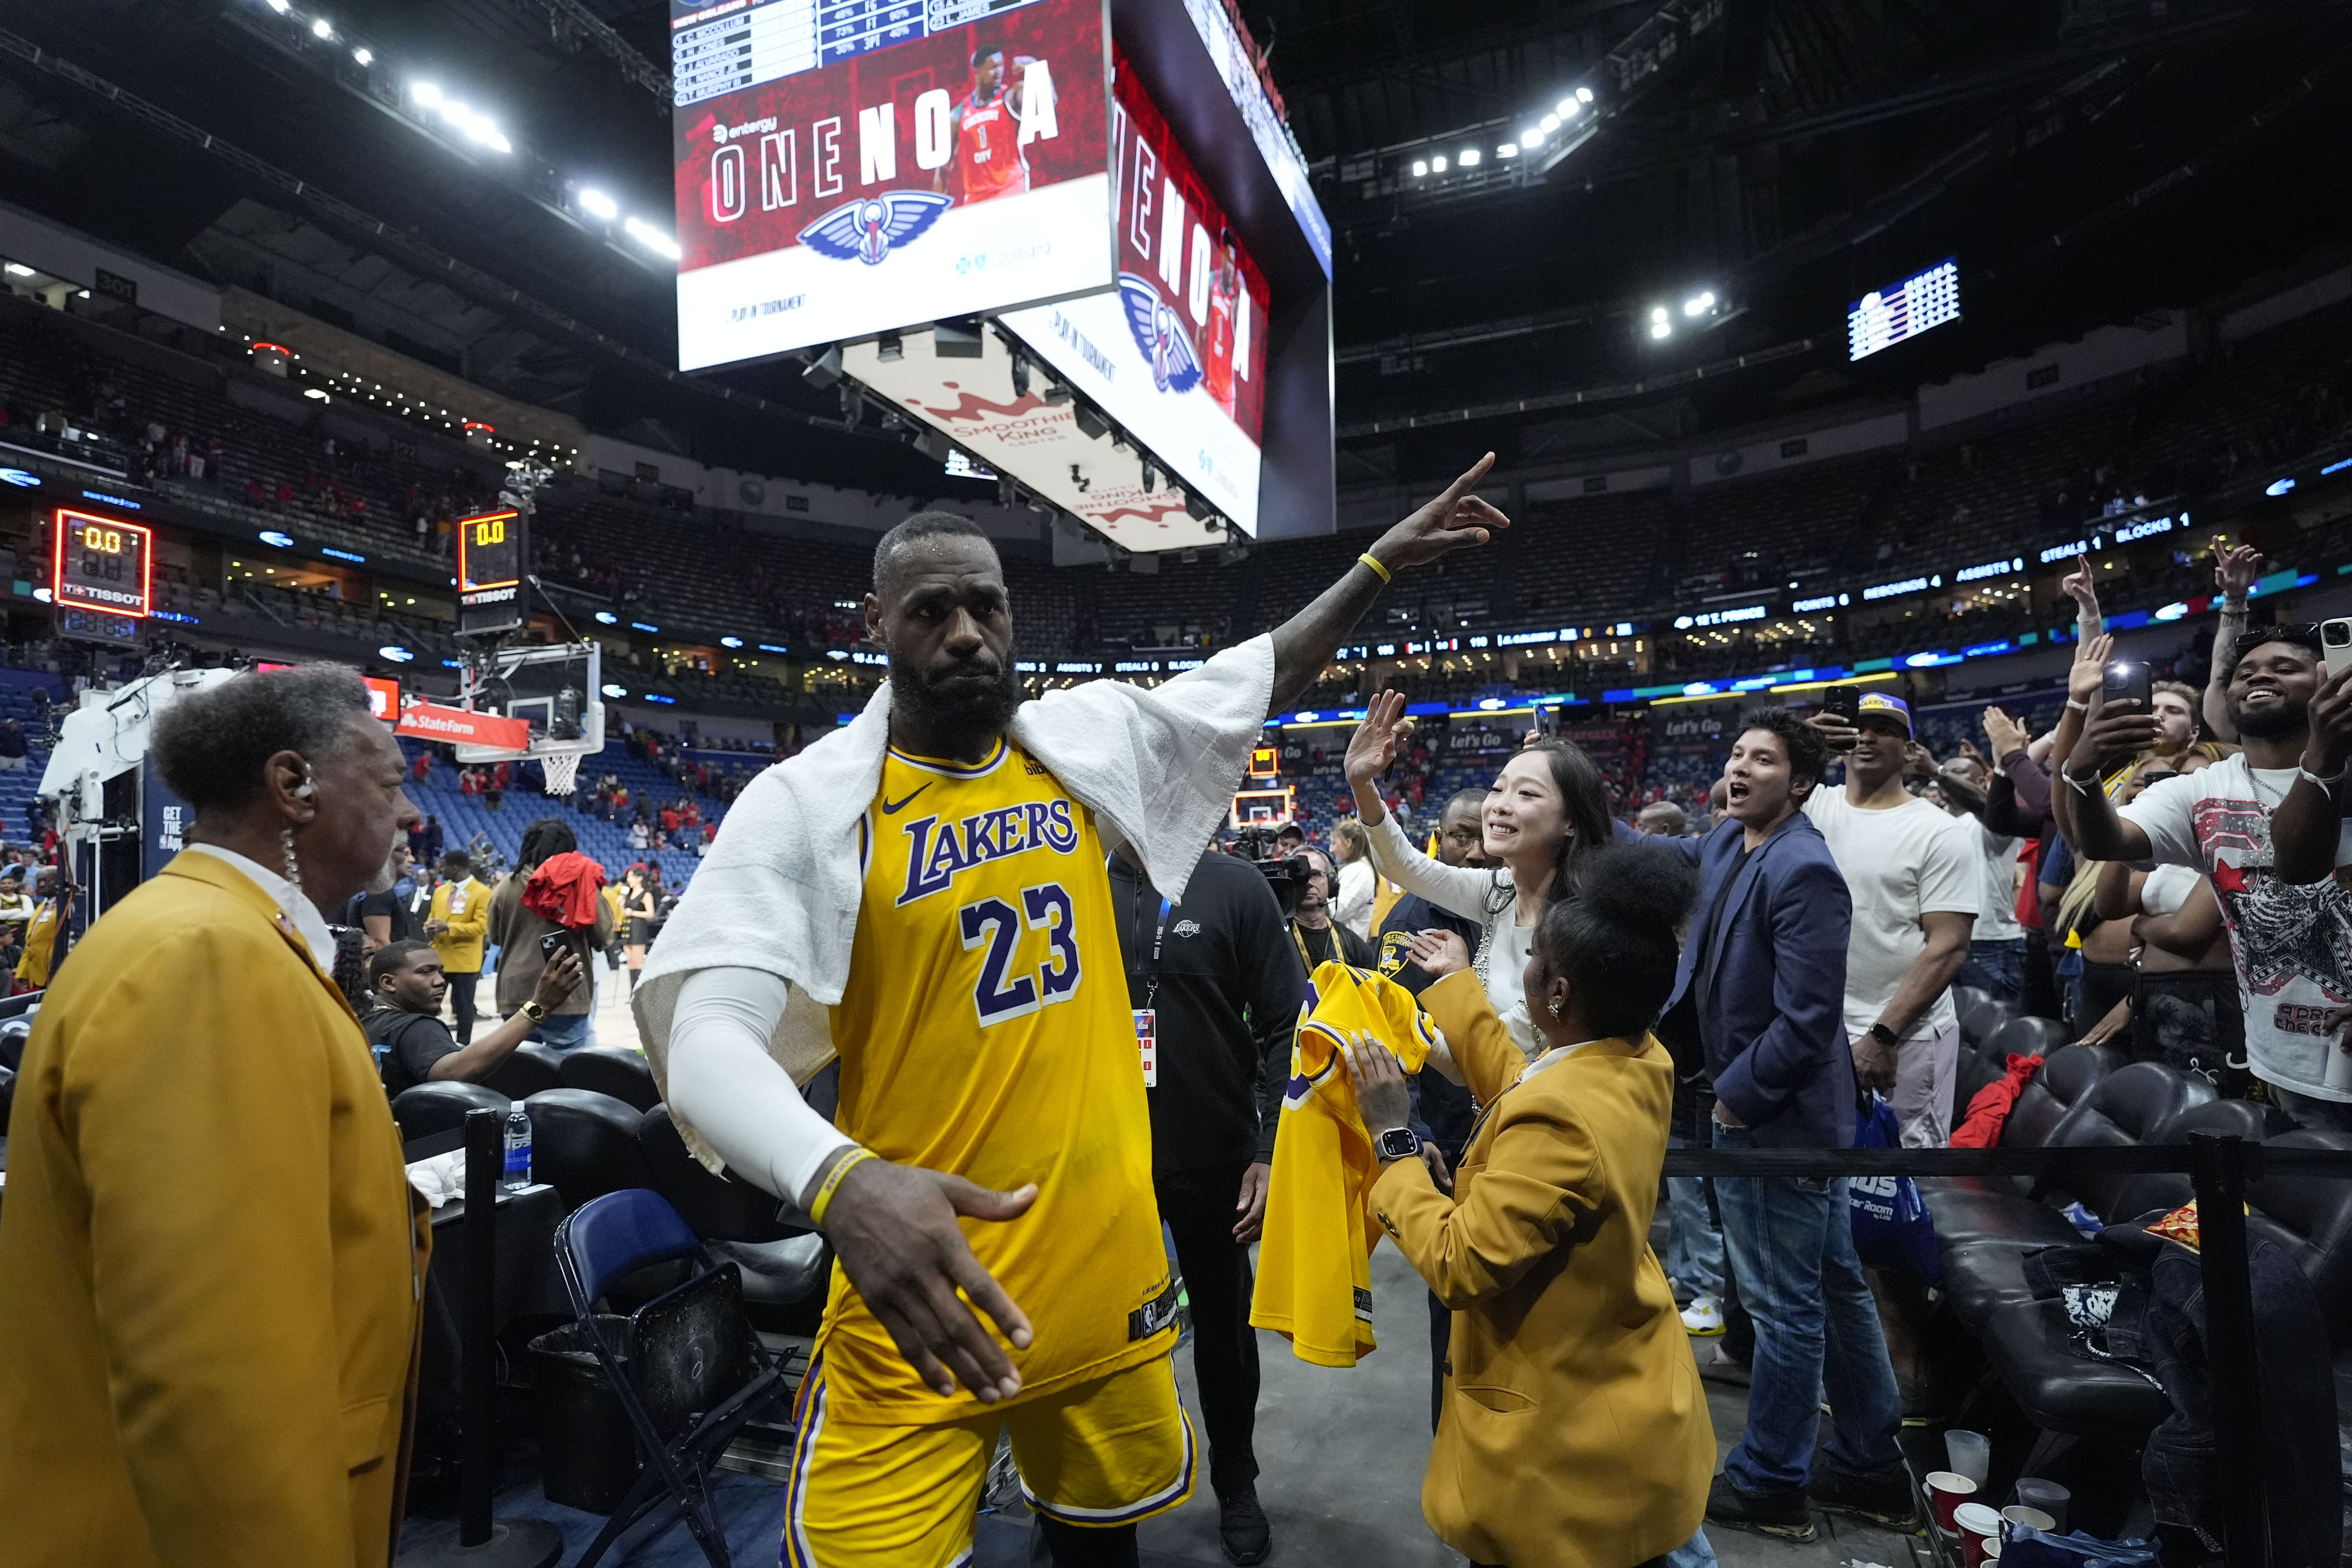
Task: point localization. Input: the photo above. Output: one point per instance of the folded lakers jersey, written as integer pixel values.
(1314, 1268)
(986, 1032)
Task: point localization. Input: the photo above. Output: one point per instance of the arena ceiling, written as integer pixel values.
(2085, 160)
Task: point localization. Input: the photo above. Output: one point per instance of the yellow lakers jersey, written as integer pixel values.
(986, 1032)
(1314, 1266)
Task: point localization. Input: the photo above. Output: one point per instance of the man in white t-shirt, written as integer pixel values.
(1996, 960)
(2292, 942)
(1918, 880)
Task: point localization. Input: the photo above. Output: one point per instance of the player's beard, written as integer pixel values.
(2273, 721)
(963, 723)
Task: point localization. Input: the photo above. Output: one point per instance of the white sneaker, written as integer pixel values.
(1703, 1318)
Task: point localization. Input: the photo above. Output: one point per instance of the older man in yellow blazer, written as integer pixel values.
(210, 1259)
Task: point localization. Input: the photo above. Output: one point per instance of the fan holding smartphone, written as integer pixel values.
(550, 902)
(2266, 828)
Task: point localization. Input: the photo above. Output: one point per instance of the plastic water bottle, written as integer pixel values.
(517, 1169)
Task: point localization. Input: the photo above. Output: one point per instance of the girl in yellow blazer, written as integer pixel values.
(1574, 1434)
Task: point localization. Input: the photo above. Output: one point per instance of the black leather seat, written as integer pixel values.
(441, 1106)
(2024, 1036)
(2063, 1077)
(1983, 1249)
(2136, 1197)
(533, 1067)
(783, 1265)
(13, 1034)
(584, 1144)
(716, 1208)
(2313, 1215)
(8, 1098)
(1983, 1019)
(1967, 997)
(2028, 1343)
(615, 1070)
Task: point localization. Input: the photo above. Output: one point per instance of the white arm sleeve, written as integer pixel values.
(1458, 889)
(724, 1082)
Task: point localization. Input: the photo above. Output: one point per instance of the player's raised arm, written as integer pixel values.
(1303, 644)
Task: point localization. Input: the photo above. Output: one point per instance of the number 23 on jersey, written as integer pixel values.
(996, 926)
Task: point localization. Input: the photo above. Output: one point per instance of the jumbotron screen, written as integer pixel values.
(845, 167)
(1177, 352)
(1885, 317)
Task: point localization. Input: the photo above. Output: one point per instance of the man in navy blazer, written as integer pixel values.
(1762, 995)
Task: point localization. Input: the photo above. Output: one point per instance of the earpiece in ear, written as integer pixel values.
(305, 790)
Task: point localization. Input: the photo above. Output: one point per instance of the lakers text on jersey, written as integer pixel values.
(986, 1032)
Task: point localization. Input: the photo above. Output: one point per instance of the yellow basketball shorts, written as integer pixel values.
(1109, 1452)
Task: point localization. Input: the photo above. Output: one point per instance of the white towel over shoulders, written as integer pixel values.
(781, 886)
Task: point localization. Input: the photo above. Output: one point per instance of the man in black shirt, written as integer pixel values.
(1318, 938)
(383, 918)
(413, 1045)
(1222, 985)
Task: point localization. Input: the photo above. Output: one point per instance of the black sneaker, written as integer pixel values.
(1884, 1498)
(1243, 1529)
(1784, 1516)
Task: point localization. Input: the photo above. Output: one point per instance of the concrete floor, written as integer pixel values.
(1342, 1452)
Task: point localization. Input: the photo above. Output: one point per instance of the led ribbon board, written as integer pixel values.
(848, 166)
(1885, 317)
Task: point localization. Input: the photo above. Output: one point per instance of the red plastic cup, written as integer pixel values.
(1946, 1491)
(1978, 1524)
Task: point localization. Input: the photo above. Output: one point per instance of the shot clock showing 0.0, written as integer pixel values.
(490, 551)
(102, 564)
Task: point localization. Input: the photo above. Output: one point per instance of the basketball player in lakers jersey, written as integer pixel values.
(992, 1162)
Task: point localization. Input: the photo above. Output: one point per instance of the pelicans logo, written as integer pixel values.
(868, 227)
(1175, 363)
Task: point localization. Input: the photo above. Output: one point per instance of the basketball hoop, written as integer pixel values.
(563, 769)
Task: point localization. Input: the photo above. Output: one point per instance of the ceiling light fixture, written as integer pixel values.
(1438, 165)
(1469, 158)
(596, 203)
(1584, 95)
(322, 28)
(1420, 167)
(364, 55)
(651, 238)
(1531, 137)
(1507, 150)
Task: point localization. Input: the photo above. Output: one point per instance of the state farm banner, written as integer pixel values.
(1176, 352)
(848, 168)
(464, 727)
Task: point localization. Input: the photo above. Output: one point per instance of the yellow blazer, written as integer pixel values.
(210, 1257)
(1575, 1432)
(460, 946)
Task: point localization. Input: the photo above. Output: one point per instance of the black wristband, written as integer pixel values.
(1883, 1035)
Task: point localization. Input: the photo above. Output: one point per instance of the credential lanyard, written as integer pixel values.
(1158, 935)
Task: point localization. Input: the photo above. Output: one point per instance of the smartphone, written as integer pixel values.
(2127, 680)
(554, 943)
(2335, 644)
(1844, 701)
(1548, 719)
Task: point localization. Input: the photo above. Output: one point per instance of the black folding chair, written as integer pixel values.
(689, 1371)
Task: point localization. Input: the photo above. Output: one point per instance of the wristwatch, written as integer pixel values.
(533, 1010)
(1397, 1144)
(1883, 1035)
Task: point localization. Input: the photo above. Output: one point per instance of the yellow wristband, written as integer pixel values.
(1377, 570)
(823, 1199)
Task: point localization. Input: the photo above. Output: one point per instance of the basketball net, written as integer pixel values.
(563, 769)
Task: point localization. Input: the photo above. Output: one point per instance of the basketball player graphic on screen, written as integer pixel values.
(1225, 297)
(987, 128)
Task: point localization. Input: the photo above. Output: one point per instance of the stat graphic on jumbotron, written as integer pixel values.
(1885, 317)
(848, 166)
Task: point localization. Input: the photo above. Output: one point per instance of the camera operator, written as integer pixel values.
(1319, 937)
